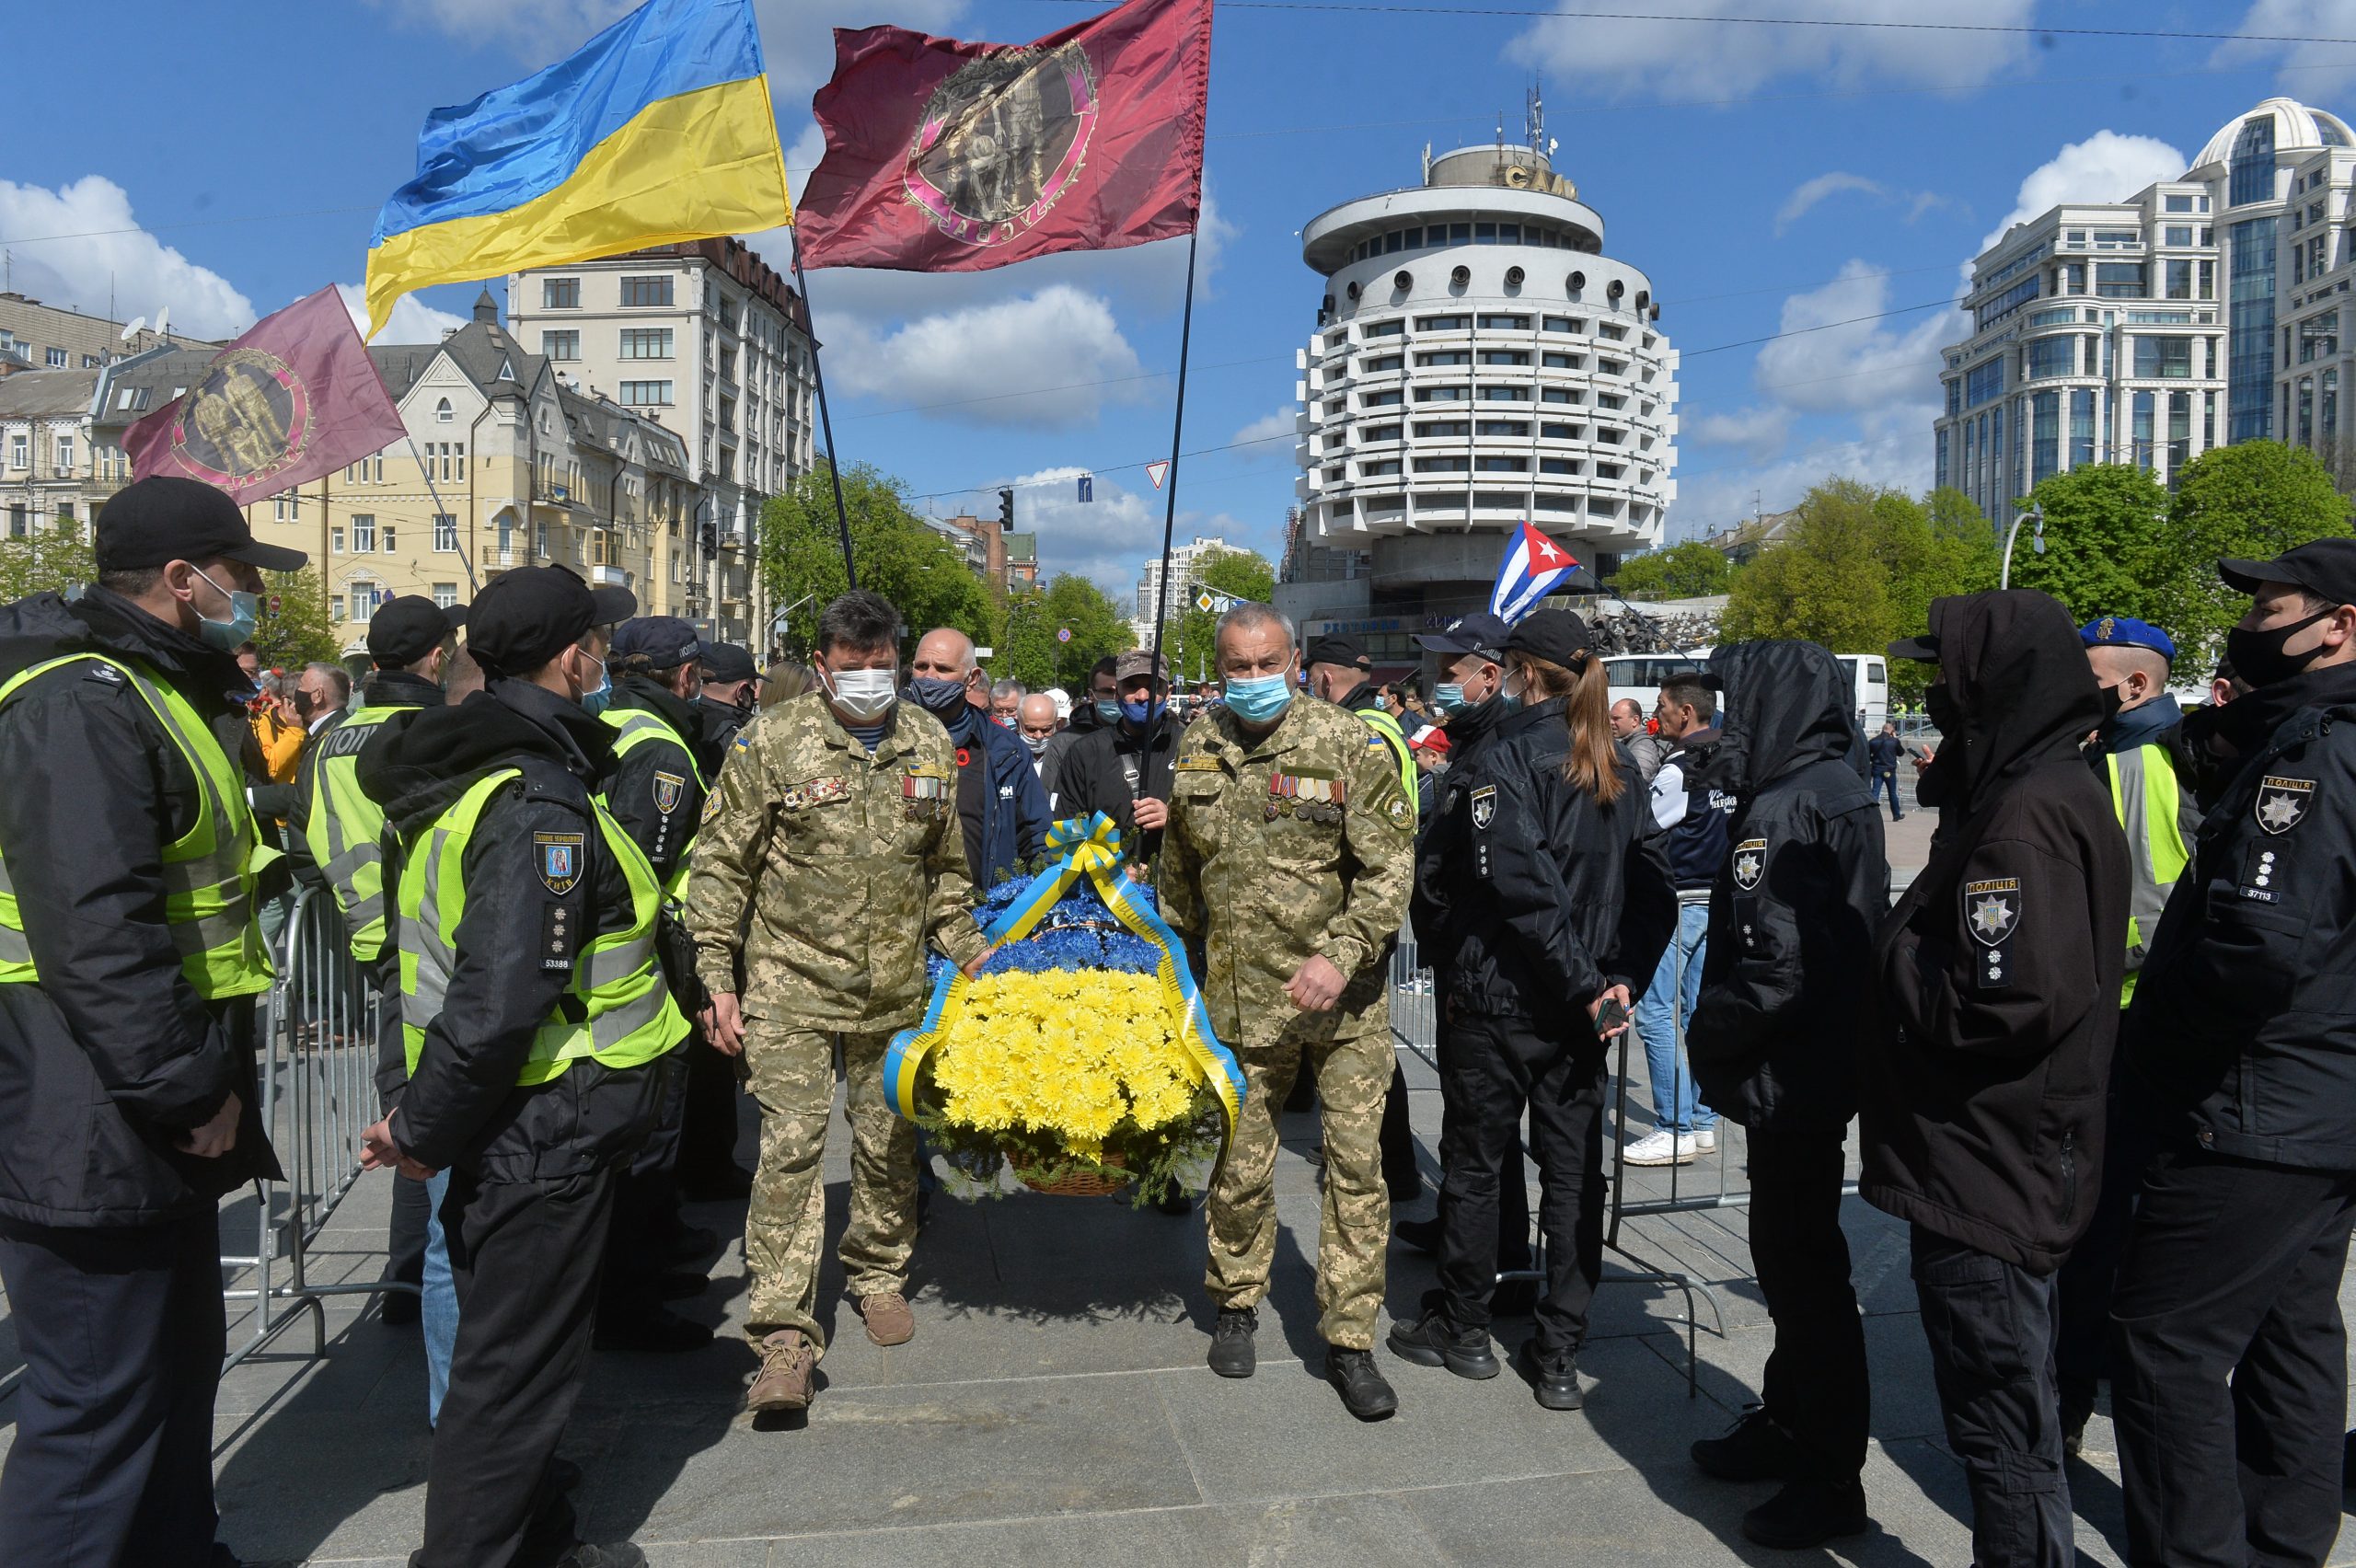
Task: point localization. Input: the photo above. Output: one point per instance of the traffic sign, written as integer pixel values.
(1156, 471)
(1063, 634)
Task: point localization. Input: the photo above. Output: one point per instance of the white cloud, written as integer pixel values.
(410, 322)
(1719, 496)
(1759, 432)
(1267, 437)
(1106, 541)
(1885, 372)
(100, 251)
(1059, 340)
(2106, 166)
(2304, 75)
(1725, 57)
(1807, 193)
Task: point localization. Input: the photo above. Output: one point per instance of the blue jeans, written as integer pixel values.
(1675, 1106)
(1881, 781)
(438, 1300)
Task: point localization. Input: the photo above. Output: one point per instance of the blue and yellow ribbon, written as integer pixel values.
(1090, 847)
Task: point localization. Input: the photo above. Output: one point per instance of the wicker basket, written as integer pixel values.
(1077, 1183)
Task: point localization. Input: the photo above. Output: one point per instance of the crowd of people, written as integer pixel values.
(2096, 1055)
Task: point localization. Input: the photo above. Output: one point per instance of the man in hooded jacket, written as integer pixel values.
(1784, 1015)
(1998, 978)
(2230, 1372)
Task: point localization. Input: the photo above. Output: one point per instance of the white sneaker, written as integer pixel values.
(1663, 1147)
(1707, 1142)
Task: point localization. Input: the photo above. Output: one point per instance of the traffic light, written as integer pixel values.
(1006, 509)
(708, 539)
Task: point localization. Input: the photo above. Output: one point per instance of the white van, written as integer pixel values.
(1638, 676)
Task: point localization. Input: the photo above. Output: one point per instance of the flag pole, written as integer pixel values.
(1177, 433)
(825, 419)
(473, 584)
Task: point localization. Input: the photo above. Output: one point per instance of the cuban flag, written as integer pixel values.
(1533, 566)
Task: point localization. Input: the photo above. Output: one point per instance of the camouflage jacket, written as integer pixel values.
(1298, 843)
(825, 869)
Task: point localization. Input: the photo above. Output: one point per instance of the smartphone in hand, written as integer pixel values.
(1609, 1017)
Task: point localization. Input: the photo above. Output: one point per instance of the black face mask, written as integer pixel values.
(2257, 656)
(1945, 711)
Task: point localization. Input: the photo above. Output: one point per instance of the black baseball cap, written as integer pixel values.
(729, 662)
(1340, 648)
(1924, 650)
(524, 617)
(409, 627)
(1559, 637)
(2325, 567)
(656, 643)
(1480, 633)
(166, 518)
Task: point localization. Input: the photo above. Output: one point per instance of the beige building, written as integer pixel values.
(53, 472)
(34, 335)
(707, 341)
(504, 466)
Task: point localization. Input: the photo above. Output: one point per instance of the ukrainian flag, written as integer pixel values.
(658, 130)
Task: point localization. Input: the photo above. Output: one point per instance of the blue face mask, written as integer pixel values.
(1449, 698)
(942, 699)
(1108, 712)
(228, 635)
(1142, 712)
(595, 701)
(1258, 701)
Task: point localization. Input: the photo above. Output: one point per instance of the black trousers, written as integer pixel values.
(1816, 1385)
(122, 1333)
(2082, 1331)
(1491, 1070)
(646, 1199)
(405, 1232)
(708, 1127)
(1989, 1324)
(1400, 1171)
(526, 1257)
(2232, 1272)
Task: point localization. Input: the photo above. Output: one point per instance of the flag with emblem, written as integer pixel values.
(1534, 566)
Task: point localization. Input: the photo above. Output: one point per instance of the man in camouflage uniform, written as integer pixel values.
(1285, 868)
(832, 844)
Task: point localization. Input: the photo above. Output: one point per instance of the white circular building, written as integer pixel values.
(1478, 360)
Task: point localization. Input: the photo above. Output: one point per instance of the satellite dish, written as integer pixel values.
(138, 324)
(164, 322)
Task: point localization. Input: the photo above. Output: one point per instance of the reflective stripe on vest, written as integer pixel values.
(627, 1017)
(1380, 721)
(2144, 792)
(637, 727)
(208, 872)
(345, 830)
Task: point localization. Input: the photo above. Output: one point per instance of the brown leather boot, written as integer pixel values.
(889, 1320)
(787, 1363)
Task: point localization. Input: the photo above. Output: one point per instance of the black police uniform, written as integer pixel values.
(1539, 897)
(1800, 887)
(2230, 1358)
(1998, 986)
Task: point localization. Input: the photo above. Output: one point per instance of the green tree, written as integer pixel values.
(1028, 648)
(919, 570)
(1827, 582)
(1690, 571)
(1186, 642)
(1931, 548)
(2106, 526)
(2250, 502)
(298, 631)
(45, 561)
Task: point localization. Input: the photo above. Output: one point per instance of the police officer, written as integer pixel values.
(732, 686)
(535, 1018)
(1997, 978)
(657, 792)
(130, 956)
(342, 836)
(829, 856)
(1783, 1011)
(1562, 902)
(2228, 1381)
(1286, 869)
(2139, 754)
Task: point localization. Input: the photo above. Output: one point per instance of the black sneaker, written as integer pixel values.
(1363, 1387)
(614, 1554)
(1233, 1352)
(655, 1331)
(1432, 1341)
(1423, 1234)
(1807, 1514)
(2077, 1409)
(1558, 1384)
(1754, 1448)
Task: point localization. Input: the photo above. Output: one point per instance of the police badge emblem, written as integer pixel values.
(1485, 806)
(1750, 863)
(2282, 803)
(559, 858)
(666, 791)
(1992, 911)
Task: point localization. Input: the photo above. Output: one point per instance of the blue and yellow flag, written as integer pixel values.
(658, 130)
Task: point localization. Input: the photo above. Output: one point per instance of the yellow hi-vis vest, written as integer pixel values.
(1380, 721)
(2149, 803)
(637, 727)
(209, 904)
(345, 830)
(627, 1017)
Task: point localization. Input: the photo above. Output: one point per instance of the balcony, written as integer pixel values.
(609, 577)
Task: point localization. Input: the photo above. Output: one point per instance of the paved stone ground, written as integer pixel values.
(1054, 1409)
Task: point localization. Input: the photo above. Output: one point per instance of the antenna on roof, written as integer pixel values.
(1534, 114)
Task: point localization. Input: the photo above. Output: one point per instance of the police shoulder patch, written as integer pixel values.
(558, 859)
(2282, 803)
(667, 790)
(558, 940)
(1750, 863)
(1485, 806)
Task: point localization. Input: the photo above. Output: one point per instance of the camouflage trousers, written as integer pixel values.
(793, 1081)
(1353, 1230)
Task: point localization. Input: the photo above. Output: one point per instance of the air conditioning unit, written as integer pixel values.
(1460, 276)
(1513, 277)
(1577, 281)
(1402, 280)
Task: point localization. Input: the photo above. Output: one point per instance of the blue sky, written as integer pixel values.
(225, 160)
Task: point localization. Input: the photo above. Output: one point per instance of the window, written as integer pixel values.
(646, 342)
(1381, 399)
(2178, 203)
(442, 413)
(281, 509)
(363, 598)
(2253, 168)
(1503, 465)
(445, 595)
(1561, 362)
(1450, 356)
(1559, 431)
(1614, 332)
(1504, 394)
(2045, 444)
(1503, 427)
(64, 456)
(335, 539)
(1378, 365)
(131, 399)
(564, 345)
(19, 523)
(2180, 280)
(1377, 471)
(388, 539)
(1385, 330)
(2051, 357)
(646, 394)
(1443, 465)
(1443, 323)
(2176, 234)
(1983, 383)
(1383, 433)
(1563, 324)
(21, 452)
(1558, 466)
(2320, 337)
(363, 534)
(1431, 427)
(1440, 394)
(645, 293)
(2119, 280)
(2082, 427)
(1559, 394)
(445, 533)
(1504, 356)
(560, 294)
(56, 359)
(1505, 323)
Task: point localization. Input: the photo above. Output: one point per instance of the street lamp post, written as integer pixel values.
(2037, 541)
